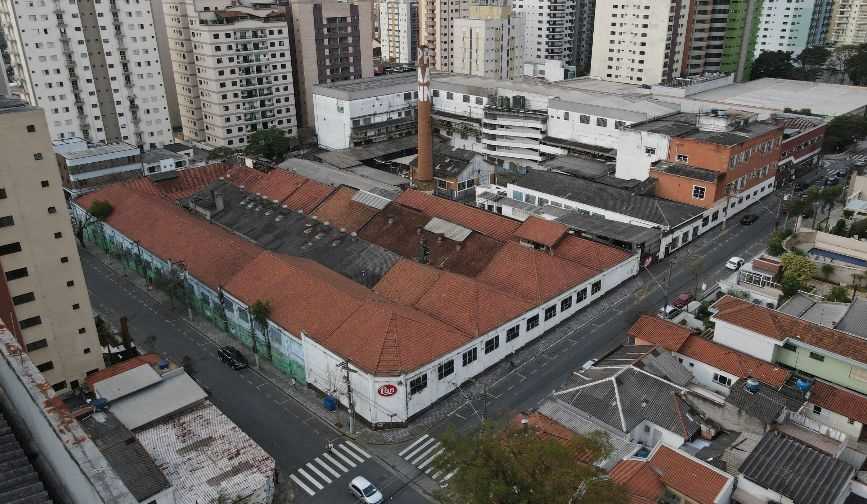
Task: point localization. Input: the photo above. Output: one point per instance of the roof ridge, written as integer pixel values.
(677, 408)
(389, 343)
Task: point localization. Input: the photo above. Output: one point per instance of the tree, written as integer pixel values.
(100, 209)
(856, 65)
(827, 270)
(776, 64)
(843, 131)
(260, 311)
(511, 464)
(838, 295)
(272, 144)
(221, 153)
(840, 228)
(798, 267)
(858, 228)
(813, 57)
(775, 243)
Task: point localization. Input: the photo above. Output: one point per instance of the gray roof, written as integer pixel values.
(767, 404)
(177, 147)
(295, 234)
(734, 137)
(157, 155)
(825, 313)
(595, 225)
(689, 171)
(126, 455)
(623, 398)
(379, 175)
(175, 391)
(796, 470)
(664, 365)
(659, 211)
(10, 104)
(126, 383)
(19, 479)
(368, 88)
(122, 149)
(582, 167)
(329, 175)
(855, 319)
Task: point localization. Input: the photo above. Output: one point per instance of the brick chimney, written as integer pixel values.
(423, 176)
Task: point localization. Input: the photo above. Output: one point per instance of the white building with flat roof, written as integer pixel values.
(489, 42)
(398, 30)
(549, 29)
(784, 26)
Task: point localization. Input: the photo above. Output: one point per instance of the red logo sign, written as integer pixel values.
(387, 390)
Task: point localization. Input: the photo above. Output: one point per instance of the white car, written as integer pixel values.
(735, 263)
(364, 491)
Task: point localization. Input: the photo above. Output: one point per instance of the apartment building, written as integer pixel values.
(233, 69)
(333, 41)
(438, 18)
(398, 29)
(43, 296)
(489, 43)
(93, 67)
(549, 29)
(820, 22)
(788, 26)
(848, 23)
(585, 13)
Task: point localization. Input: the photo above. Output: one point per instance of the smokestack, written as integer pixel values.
(424, 163)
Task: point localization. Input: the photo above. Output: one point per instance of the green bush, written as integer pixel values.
(839, 294)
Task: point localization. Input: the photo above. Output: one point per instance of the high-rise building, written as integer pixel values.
(819, 23)
(582, 53)
(441, 15)
(785, 26)
(639, 41)
(848, 23)
(489, 43)
(233, 69)
(92, 65)
(740, 36)
(398, 29)
(549, 29)
(166, 64)
(332, 43)
(43, 297)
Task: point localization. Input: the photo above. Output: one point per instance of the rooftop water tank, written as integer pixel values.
(803, 384)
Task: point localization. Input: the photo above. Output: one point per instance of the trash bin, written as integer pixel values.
(330, 403)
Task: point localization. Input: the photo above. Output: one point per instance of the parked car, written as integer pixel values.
(682, 300)
(364, 491)
(735, 263)
(232, 356)
(748, 219)
(668, 312)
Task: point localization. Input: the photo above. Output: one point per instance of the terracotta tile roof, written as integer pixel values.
(401, 229)
(589, 253)
(209, 253)
(767, 264)
(308, 196)
(543, 232)
(734, 362)
(192, 180)
(639, 480)
(531, 275)
(780, 326)
(406, 282)
(489, 224)
(839, 400)
(150, 359)
(277, 184)
(656, 331)
(341, 212)
(687, 475)
(547, 428)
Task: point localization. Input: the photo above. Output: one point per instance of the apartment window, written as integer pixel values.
(59, 386)
(7, 221)
(58, 235)
(20, 299)
(601, 122)
(76, 306)
(30, 322)
(565, 116)
(479, 100)
(596, 287)
(566, 303)
(466, 98)
(435, 93)
(450, 95)
(683, 157)
(722, 379)
(16, 274)
(82, 330)
(37, 156)
(818, 357)
(10, 248)
(52, 210)
(2, 193)
(445, 368)
(417, 384)
(492, 344)
(87, 351)
(45, 366)
(532, 322)
(581, 296)
(407, 96)
(513, 332)
(31, 128)
(70, 283)
(550, 312)
(470, 356)
(36, 345)
(650, 151)
(817, 410)
(64, 260)
(697, 192)
(584, 119)
(619, 124)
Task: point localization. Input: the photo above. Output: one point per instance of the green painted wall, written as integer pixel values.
(831, 369)
(734, 36)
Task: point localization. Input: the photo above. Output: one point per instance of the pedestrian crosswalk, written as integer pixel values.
(858, 157)
(328, 467)
(422, 453)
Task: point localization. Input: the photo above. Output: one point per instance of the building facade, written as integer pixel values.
(398, 30)
(585, 13)
(42, 292)
(233, 69)
(489, 43)
(333, 41)
(785, 26)
(92, 66)
(83, 167)
(549, 29)
(848, 23)
(438, 18)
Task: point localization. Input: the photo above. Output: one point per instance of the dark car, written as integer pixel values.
(232, 356)
(682, 300)
(748, 219)
(801, 186)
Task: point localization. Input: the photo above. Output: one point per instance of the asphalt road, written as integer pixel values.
(297, 439)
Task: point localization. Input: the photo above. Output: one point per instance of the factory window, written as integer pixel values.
(450, 95)
(722, 379)
(7, 221)
(407, 96)
(619, 124)
(21, 299)
(513, 332)
(565, 116)
(566, 303)
(532, 322)
(30, 322)
(650, 151)
(417, 384)
(550, 312)
(581, 296)
(10, 248)
(466, 98)
(683, 157)
(36, 345)
(436, 93)
(596, 287)
(492, 344)
(479, 100)
(698, 192)
(45, 366)
(818, 357)
(16, 274)
(59, 386)
(584, 119)
(470, 356)
(601, 122)
(445, 368)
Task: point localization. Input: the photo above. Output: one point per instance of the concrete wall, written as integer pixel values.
(334, 117)
(649, 434)
(746, 341)
(835, 369)
(637, 150)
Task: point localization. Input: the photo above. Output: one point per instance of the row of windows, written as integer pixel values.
(447, 368)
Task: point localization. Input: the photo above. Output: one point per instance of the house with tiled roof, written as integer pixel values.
(670, 475)
(422, 293)
(770, 335)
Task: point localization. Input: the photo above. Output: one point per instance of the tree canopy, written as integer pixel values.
(843, 131)
(777, 64)
(798, 267)
(814, 57)
(272, 144)
(221, 153)
(505, 465)
(856, 65)
(100, 209)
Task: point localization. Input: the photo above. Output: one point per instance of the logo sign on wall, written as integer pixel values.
(387, 390)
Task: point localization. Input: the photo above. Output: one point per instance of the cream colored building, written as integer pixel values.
(848, 25)
(398, 30)
(489, 43)
(43, 296)
(333, 43)
(233, 69)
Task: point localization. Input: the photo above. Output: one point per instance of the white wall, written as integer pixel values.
(649, 434)
(636, 151)
(567, 125)
(334, 117)
(703, 374)
(746, 341)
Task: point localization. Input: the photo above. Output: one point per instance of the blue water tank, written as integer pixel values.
(752, 385)
(803, 384)
(99, 404)
(330, 403)
(163, 364)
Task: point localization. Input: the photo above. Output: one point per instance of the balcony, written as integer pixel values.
(514, 132)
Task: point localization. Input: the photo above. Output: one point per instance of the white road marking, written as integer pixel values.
(359, 450)
(431, 459)
(311, 478)
(335, 462)
(419, 449)
(302, 485)
(425, 453)
(327, 467)
(351, 453)
(413, 445)
(344, 458)
(318, 472)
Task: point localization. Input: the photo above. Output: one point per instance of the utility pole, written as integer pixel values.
(345, 366)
